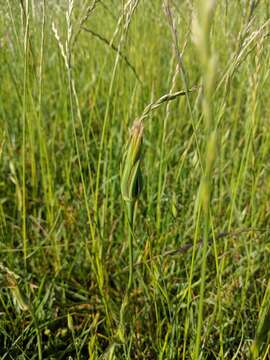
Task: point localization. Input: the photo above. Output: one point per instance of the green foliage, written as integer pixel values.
(74, 76)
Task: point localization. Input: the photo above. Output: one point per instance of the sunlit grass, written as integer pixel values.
(190, 277)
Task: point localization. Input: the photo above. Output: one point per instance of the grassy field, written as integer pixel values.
(94, 266)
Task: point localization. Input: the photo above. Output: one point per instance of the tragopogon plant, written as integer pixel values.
(131, 181)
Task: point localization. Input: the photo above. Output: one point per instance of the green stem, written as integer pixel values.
(130, 217)
(202, 285)
(130, 213)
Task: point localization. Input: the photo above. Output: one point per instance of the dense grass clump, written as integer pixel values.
(89, 269)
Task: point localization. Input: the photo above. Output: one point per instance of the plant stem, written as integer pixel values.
(130, 214)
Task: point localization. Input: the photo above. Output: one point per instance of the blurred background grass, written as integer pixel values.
(62, 224)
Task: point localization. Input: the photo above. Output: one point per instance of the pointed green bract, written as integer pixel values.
(131, 177)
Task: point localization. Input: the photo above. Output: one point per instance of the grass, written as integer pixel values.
(191, 280)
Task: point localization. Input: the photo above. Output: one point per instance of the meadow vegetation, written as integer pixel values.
(93, 264)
